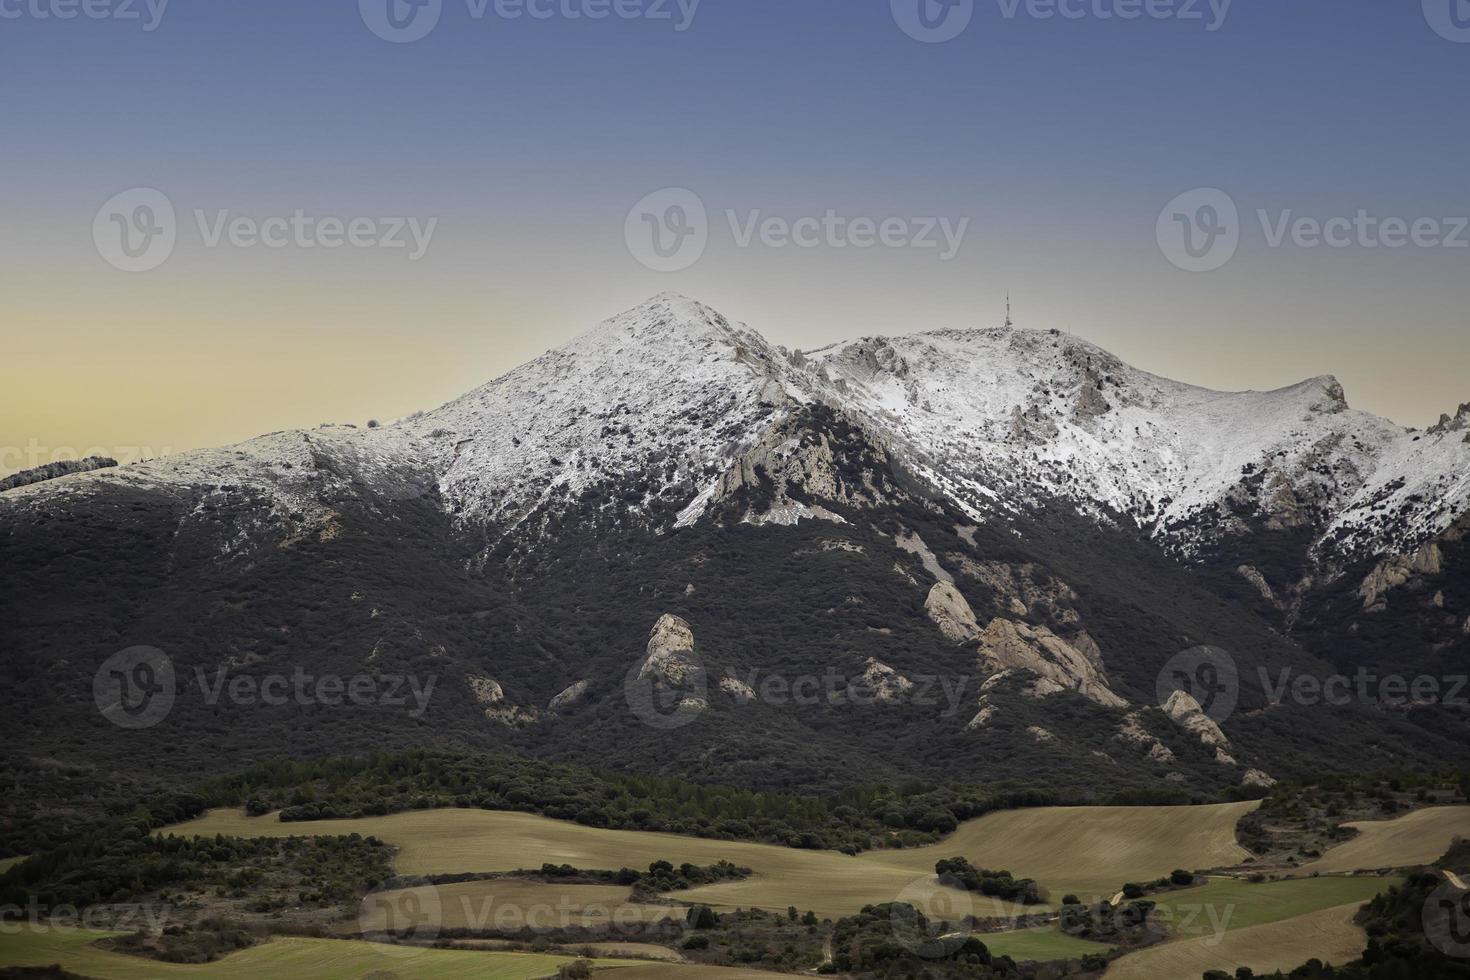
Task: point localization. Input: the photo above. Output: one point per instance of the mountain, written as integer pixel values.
(980, 548)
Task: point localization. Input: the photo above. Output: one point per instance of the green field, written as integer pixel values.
(1089, 851)
(1233, 903)
(1039, 944)
(299, 959)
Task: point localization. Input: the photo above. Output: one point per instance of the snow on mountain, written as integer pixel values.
(656, 402)
(654, 405)
(1021, 415)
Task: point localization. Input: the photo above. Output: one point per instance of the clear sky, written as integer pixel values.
(518, 145)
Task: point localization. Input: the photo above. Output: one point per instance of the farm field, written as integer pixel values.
(689, 971)
(1039, 944)
(7, 863)
(1084, 850)
(510, 904)
(1089, 851)
(1327, 934)
(300, 959)
(1415, 838)
(1227, 904)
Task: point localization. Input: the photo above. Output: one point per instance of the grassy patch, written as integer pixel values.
(301, 959)
(1227, 904)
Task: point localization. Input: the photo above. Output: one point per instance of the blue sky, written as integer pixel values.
(1059, 140)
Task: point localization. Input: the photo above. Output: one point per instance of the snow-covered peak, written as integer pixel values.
(650, 403)
(649, 408)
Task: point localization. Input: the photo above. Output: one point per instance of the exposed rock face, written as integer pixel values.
(1254, 777)
(1028, 591)
(914, 544)
(670, 655)
(1185, 712)
(1132, 730)
(737, 689)
(880, 682)
(1159, 752)
(982, 717)
(788, 456)
(1394, 572)
(1258, 580)
(1040, 734)
(1057, 664)
(571, 697)
(1090, 402)
(1447, 425)
(489, 693)
(951, 612)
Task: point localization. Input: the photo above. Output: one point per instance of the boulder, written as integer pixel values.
(950, 611)
(1058, 666)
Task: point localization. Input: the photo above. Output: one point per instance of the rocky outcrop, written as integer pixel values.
(950, 611)
(571, 697)
(491, 695)
(1255, 777)
(1040, 734)
(737, 689)
(1132, 730)
(791, 457)
(1184, 711)
(670, 657)
(880, 682)
(1446, 424)
(1057, 664)
(1392, 573)
(1256, 579)
(915, 545)
(1026, 590)
(983, 716)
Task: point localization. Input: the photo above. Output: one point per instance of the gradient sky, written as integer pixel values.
(529, 141)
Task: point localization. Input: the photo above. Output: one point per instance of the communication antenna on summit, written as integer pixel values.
(1008, 309)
